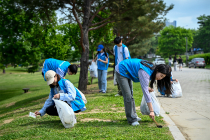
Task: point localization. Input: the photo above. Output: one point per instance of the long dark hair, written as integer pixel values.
(164, 69)
(58, 79)
(104, 52)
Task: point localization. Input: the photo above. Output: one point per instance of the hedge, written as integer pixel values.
(206, 56)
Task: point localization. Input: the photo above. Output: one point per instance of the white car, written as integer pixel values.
(159, 61)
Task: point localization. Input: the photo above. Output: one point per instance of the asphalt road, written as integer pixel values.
(191, 113)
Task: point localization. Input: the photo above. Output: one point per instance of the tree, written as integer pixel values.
(84, 13)
(143, 21)
(172, 41)
(203, 36)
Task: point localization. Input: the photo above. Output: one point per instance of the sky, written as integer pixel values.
(185, 12)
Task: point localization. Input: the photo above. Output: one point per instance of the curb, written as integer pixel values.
(172, 126)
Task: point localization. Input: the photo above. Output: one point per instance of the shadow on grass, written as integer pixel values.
(20, 104)
(9, 93)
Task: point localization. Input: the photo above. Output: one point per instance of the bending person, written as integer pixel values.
(138, 70)
(58, 66)
(64, 90)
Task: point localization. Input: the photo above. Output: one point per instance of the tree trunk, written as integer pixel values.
(83, 79)
(4, 71)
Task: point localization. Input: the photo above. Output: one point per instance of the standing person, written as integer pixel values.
(58, 66)
(180, 63)
(142, 71)
(102, 58)
(170, 60)
(61, 89)
(175, 61)
(121, 53)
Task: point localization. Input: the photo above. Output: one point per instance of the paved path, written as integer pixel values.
(191, 113)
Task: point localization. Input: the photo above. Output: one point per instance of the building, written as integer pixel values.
(171, 23)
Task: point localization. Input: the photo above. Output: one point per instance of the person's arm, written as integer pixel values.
(104, 61)
(144, 81)
(47, 103)
(71, 92)
(95, 58)
(126, 53)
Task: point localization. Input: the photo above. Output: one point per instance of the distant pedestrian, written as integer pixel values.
(175, 62)
(142, 71)
(180, 63)
(170, 61)
(102, 58)
(121, 53)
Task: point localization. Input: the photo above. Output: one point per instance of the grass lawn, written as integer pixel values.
(103, 119)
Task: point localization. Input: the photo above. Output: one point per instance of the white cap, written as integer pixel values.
(49, 76)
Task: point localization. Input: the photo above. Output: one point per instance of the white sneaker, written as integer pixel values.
(118, 94)
(138, 119)
(135, 123)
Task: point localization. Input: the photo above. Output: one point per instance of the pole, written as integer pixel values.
(186, 53)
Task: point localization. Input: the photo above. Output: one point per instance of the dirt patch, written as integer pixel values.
(95, 119)
(10, 104)
(8, 121)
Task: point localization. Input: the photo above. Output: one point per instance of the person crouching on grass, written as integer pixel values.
(61, 89)
(142, 71)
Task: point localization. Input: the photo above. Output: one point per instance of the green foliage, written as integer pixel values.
(141, 46)
(202, 37)
(173, 41)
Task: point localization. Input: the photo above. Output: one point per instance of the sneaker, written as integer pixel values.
(138, 119)
(100, 91)
(103, 91)
(118, 94)
(135, 123)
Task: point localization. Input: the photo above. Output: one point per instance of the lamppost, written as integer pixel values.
(186, 53)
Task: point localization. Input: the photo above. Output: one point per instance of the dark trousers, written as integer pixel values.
(52, 111)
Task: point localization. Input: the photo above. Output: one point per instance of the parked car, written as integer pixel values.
(197, 62)
(159, 61)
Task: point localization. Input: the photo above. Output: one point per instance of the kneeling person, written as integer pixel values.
(64, 90)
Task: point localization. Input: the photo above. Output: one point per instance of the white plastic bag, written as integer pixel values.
(177, 90)
(115, 79)
(93, 69)
(83, 96)
(155, 104)
(65, 113)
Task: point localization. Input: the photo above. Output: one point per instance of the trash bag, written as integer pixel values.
(65, 113)
(177, 90)
(155, 104)
(93, 70)
(83, 96)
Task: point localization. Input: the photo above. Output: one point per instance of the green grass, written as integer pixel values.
(103, 119)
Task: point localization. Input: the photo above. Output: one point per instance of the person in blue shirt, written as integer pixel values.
(102, 58)
(61, 89)
(59, 66)
(121, 53)
(146, 73)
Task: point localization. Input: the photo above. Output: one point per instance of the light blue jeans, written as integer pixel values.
(102, 81)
